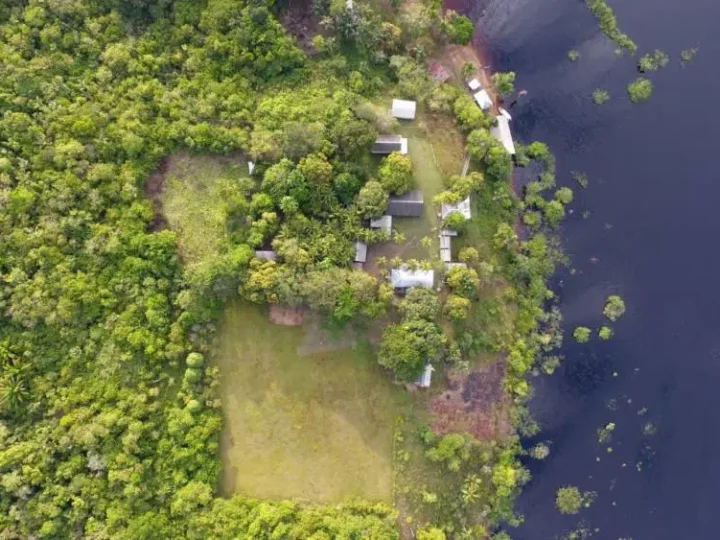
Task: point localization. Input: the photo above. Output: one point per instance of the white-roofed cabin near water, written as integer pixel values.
(502, 133)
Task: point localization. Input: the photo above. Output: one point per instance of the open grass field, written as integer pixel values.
(317, 427)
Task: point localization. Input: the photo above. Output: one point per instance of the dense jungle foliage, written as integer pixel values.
(108, 427)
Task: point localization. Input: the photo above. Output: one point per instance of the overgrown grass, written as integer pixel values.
(195, 193)
(316, 427)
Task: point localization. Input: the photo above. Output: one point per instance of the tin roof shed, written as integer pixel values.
(403, 109)
(502, 133)
(404, 278)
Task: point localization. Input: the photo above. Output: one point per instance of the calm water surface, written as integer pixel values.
(652, 237)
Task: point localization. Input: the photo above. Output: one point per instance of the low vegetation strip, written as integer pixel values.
(609, 25)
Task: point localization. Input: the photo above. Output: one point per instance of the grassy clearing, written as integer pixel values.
(317, 427)
(193, 202)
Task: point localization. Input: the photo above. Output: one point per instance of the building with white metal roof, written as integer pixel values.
(360, 252)
(404, 278)
(463, 207)
(483, 99)
(502, 133)
(403, 109)
(423, 381)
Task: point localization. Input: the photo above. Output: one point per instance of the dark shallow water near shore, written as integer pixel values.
(652, 237)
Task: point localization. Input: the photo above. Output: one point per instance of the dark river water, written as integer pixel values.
(652, 237)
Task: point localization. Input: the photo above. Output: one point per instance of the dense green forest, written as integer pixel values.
(109, 420)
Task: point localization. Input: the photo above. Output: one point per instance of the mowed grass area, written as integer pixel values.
(317, 428)
(196, 189)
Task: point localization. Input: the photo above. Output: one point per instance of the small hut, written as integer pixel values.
(403, 109)
(266, 255)
(387, 144)
(423, 381)
(403, 278)
(383, 223)
(483, 99)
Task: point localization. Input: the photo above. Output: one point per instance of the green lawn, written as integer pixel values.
(318, 427)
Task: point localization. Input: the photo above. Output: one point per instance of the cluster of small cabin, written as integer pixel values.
(502, 130)
(411, 204)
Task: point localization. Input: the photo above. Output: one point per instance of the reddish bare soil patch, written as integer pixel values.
(286, 315)
(154, 188)
(300, 21)
(453, 57)
(474, 403)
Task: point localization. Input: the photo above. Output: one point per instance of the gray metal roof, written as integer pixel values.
(267, 255)
(384, 223)
(386, 144)
(408, 205)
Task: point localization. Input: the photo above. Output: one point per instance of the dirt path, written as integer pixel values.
(453, 57)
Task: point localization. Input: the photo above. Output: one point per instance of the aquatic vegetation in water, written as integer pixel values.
(580, 177)
(600, 96)
(573, 55)
(504, 82)
(605, 433)
(614, 307)
(608, 24)
(605, 333)
(653, 61)
(649, 429)
(582, 334)
(640, 90)
(570, 500)
(688, 55)
(540, 451)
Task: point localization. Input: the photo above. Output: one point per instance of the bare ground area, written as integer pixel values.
(301, 22)
(473, 403)
(286, 315)
(453, 57)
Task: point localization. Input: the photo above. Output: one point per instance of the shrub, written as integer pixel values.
(372, 200)
(469, 254)
(600, 96)
(195, 360)
(569, 500)
(582, 334)
(457, 307)
(455, 221)
(396, 173)
(458, 28)
(640, 90)
(605, 333)
(504, 82)
(653, 62)
(614, 307)
(564, 195)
